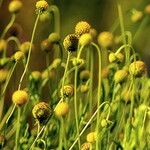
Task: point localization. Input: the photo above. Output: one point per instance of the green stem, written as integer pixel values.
(98, 92)
(123, 31)
(29, 53)
(91, 81)
(54, 9)
(65, 72)
(18, 128)
(87, 124)
(8, 26)
(8, 79)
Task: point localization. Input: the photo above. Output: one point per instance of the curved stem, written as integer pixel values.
(8, 26)
(29, 54)
(13, 38)
(54, 9)
(98, 92)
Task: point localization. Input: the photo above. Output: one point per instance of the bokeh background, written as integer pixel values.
(101, 14)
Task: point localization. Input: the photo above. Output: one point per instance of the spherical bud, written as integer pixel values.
(71, 43)
(105, 72)
(3, 45)
(77, 62)
(91, 137)
(2, 141)
(84, 88)
(61, 109)
(120, 57)
(136, 16)
(54, 38)
(56, 63)
(147, 9)
(82, 27)
(126, 95)
(41, 6)
(105, 39)
(3, 75)
(36, 76)
(86, 146)
(85, 39)
(112, 57)
(25, 47)
(120, 76)
(46, 45)
(18, 56)
(67, 91)
(15, 6)
(137, 68)
(104, 123)
(93, 33)
(84, 75)
(49, 74)
(45, 16)
(42, 112)
(20, 97)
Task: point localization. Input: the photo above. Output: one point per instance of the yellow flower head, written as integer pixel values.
(20, 97)
(82, 27)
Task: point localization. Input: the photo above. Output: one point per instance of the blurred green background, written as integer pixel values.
(101, 14)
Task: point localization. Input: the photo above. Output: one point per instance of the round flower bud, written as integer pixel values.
(42, 6)
(3, 75)
(25, 47)
(42, 112)
(137, 68)
(86, 146)
(120, 57)
(56, 63)
(45, 16)
(67, 91)
(112, 57)
(61, 109)
(15, 6)
(105, 39)
(2, 141)
(36, 76)
(104, 123)
(71, 43)
(18, 56)
(84, 75)
(77, 62)
(120, 76)
(126, 95)
(84, 88)
(85, 39)
(93, 33)
(20, 97)
(91, 137)
(49, 74)
(147, 9)
(46, 45)
(54, 38)
(82, 27)
(3, 45)
(136, 16)
(105, 72)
